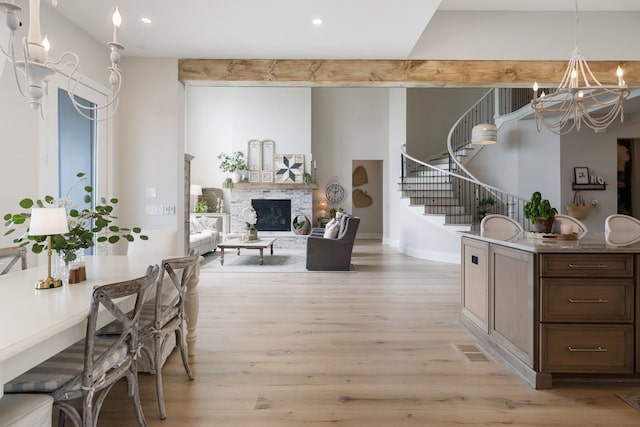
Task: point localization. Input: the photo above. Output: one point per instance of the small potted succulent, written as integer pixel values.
(540, 213)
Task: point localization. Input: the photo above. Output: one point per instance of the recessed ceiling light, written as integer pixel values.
(146, 20)
(317, 21)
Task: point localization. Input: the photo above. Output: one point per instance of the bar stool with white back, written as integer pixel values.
(500, 227)
(621, 230)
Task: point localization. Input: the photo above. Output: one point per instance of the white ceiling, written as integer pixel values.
(352, 29)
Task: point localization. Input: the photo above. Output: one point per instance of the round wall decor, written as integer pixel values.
(335, 193)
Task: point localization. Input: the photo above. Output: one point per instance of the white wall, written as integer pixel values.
(149, 143)
(598, 152)
(431, 113)
(397, 136)
(504, 153)
(529, 35)
(27, 139)
(348, 124)
(224, 119)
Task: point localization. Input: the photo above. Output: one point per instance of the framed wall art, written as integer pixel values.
(581, 175)
(289, 168)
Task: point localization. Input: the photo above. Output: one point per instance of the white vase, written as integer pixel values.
(235, 177)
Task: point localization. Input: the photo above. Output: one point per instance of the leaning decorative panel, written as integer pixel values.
(289, 167)
(268, 153)
(254, 156)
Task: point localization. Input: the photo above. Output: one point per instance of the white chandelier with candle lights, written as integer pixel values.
(36, 66)
(580, 98)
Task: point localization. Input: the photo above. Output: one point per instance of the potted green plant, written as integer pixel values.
(88, 226)
(233, 164)
(333, 211)
(540, 213)
(201, 207)
(484, 205)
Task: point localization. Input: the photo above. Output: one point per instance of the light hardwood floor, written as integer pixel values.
(376, 347)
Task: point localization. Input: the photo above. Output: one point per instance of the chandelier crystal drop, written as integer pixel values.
(37, 68)
(580, 98)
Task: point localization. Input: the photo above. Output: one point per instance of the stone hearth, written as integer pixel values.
(301, 196)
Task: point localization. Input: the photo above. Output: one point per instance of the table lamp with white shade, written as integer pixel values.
(48, 222)
(195, 190)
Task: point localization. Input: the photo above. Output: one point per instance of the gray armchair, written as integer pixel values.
(333, 254)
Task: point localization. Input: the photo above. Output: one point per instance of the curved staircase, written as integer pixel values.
(443, 187)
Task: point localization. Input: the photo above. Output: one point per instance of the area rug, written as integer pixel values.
(632, 400)
(282, 261)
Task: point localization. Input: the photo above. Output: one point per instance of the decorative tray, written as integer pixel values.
(557, 236)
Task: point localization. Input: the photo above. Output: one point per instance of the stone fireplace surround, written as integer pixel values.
(301, 196)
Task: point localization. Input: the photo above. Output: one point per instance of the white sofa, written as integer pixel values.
(204, 233)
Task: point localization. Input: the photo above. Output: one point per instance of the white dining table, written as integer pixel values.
(35, 324)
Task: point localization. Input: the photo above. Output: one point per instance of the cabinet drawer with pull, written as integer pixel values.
(586, 348)
(586, 265)
(587, 300)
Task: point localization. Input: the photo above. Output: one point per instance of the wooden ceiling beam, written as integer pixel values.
(390, 73)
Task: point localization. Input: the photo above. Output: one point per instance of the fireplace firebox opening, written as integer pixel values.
(272, 214)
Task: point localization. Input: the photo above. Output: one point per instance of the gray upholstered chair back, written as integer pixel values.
(333, 254)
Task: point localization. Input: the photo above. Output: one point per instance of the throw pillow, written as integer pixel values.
(331, 231)
(194, 225)
(330, 223)
(208, 223)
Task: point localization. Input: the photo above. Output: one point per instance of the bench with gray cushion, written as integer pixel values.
(88, 369)
(329, 254)
(26, 410)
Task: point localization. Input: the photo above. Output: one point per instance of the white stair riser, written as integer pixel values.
(444, 210)
(433, 201)
(428, 193)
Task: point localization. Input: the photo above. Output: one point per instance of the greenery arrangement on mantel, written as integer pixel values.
(232, 163)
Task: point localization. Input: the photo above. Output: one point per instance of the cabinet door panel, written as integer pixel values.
(513, 293)
(475, 282)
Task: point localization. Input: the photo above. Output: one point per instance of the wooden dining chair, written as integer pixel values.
(163, 319)
(168, 319)
(12, 255)
(88, 369)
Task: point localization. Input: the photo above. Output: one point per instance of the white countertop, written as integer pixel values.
(590, 243)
